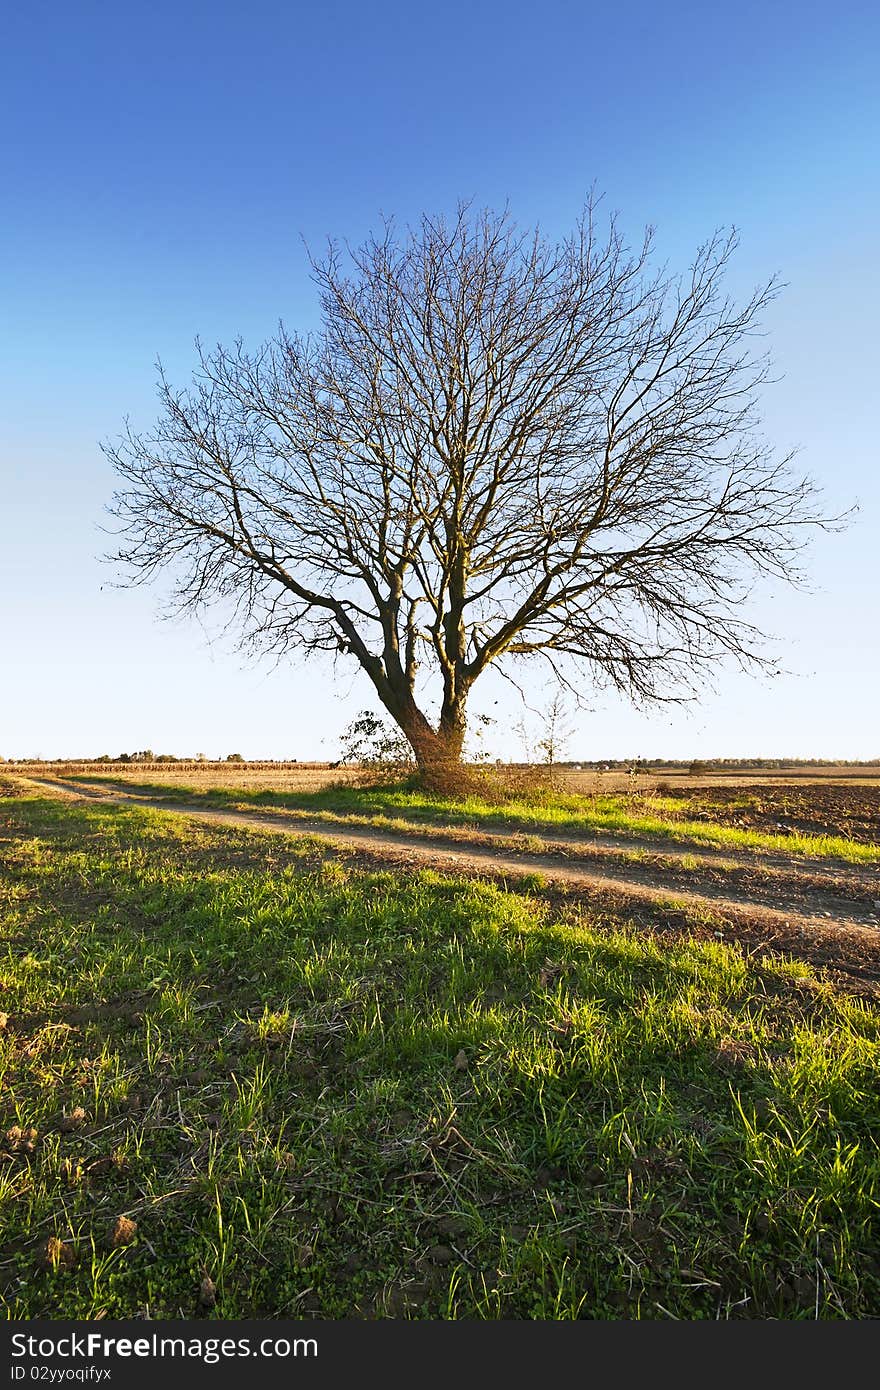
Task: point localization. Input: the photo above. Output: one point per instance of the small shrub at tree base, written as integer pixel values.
(375, 745)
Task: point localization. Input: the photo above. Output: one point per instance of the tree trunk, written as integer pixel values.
(438, 753)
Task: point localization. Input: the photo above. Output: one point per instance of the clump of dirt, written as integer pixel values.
(58, 1254)
(20, 1141)
(68, 1123)
(122, 1232)
(10, 787)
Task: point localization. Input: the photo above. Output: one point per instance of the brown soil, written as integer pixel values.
(850, 811)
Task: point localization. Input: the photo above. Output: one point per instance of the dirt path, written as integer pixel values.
(792, 896)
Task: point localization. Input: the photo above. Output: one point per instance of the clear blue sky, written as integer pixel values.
(161, 165)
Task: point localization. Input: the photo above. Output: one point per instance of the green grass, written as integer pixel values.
(652, 817)
(339, 1093)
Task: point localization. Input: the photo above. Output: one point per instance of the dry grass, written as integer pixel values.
(286, 777)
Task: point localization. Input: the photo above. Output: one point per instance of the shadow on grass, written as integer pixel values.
(336, 1092)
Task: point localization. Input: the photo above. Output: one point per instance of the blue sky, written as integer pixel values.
(162, 167)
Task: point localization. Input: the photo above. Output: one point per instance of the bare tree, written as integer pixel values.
(496, 448)
(546, 743)
(556, 731)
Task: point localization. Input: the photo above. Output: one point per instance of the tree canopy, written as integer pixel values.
(497, 448)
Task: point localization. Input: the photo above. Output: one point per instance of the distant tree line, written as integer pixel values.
(356, 754)
(146, 758)
(697, 766)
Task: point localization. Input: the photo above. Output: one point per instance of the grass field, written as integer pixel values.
(247, 1075)
(645, 814)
